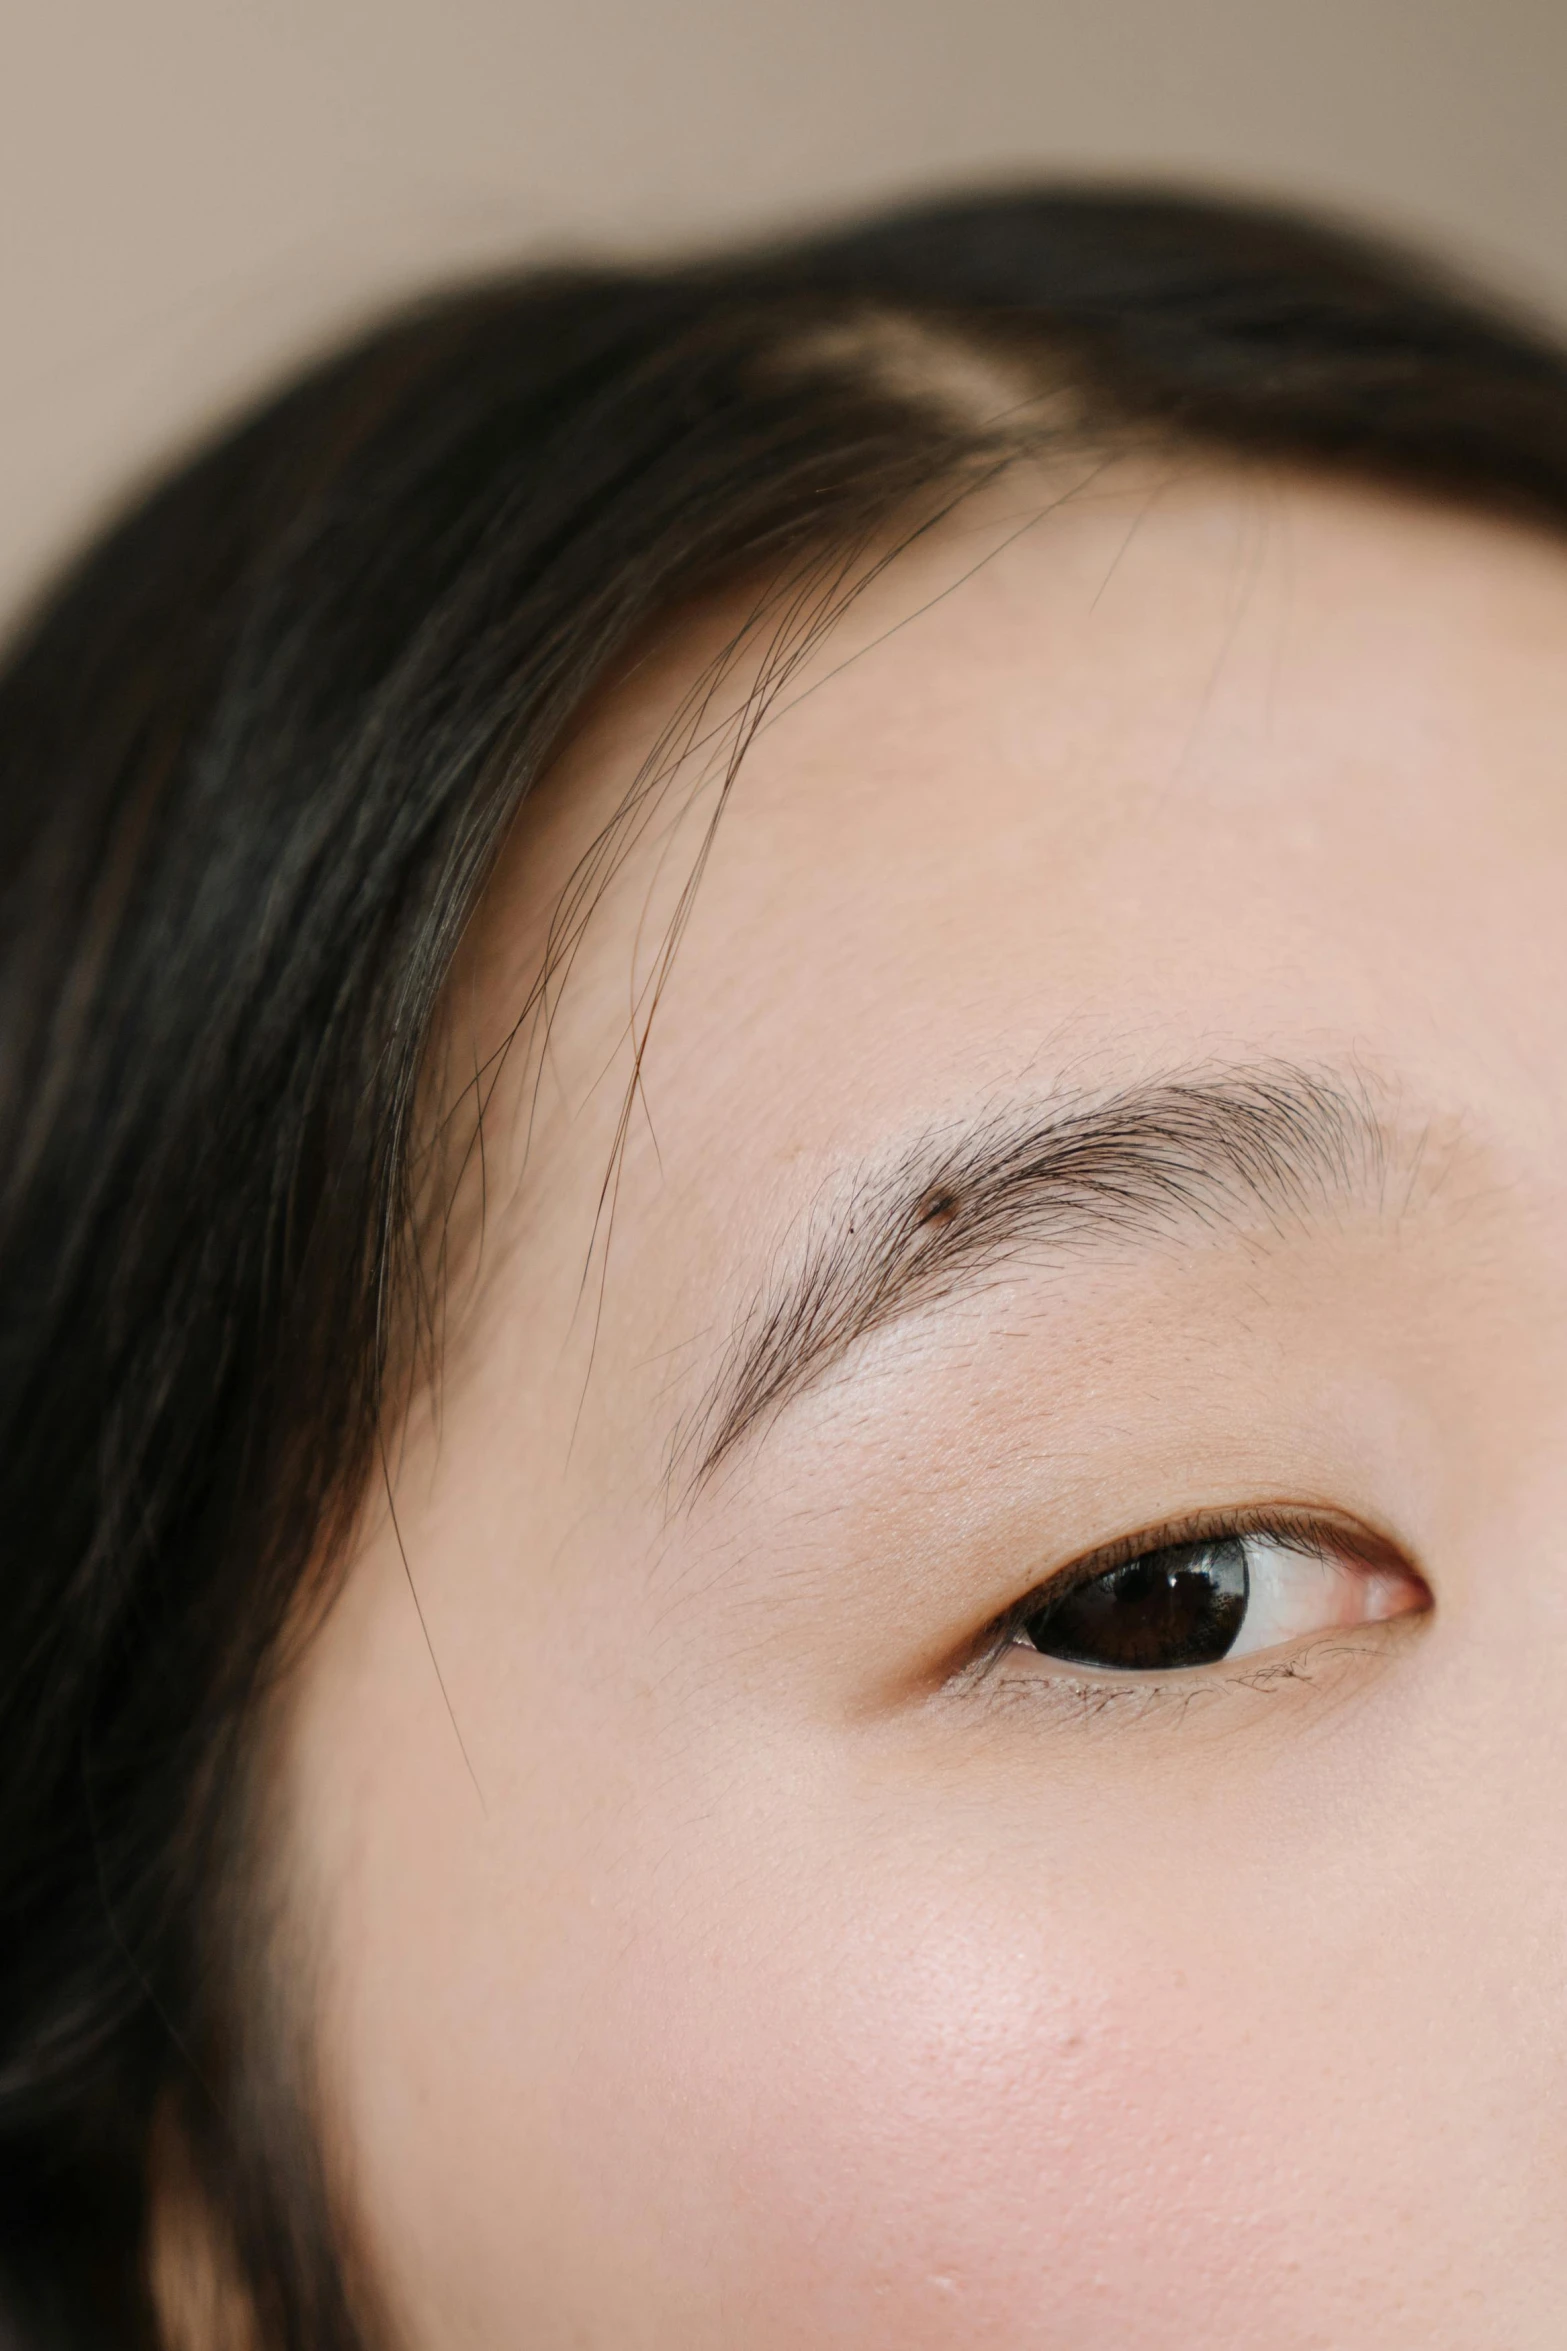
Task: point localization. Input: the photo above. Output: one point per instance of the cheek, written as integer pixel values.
(820, 2104)
(929, 2110)
(936, 2132)
(761, 2062)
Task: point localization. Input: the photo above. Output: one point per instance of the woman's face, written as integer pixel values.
(1107, 1101)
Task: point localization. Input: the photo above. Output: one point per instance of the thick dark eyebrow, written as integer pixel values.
(1272, 1143)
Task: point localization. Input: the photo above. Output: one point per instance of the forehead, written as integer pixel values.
(1173, 769)
(1167, 753)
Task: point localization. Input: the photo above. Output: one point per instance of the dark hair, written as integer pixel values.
(260, 749)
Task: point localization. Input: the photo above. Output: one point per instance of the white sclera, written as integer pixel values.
(1295, 1592)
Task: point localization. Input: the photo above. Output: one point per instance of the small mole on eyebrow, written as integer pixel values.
(938, 1207)
(1178, 1150)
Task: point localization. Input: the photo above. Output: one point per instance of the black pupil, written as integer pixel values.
(1181, 1606)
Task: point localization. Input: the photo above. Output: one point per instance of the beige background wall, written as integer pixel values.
(193, 190)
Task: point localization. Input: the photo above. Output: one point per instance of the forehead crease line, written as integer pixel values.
(1209, 1152)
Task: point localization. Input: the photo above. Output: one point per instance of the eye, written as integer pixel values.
(1231, 1594)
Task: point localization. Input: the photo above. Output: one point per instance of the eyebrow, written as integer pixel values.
(1275, 1143)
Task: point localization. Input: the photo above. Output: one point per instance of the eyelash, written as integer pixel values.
(1314, 1534)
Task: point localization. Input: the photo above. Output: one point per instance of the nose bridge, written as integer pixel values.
(1514, 1844)
(1486, 1803)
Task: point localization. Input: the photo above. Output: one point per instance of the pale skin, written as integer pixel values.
(779, 1959)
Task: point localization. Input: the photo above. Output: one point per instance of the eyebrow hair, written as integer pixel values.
(1206, 1152)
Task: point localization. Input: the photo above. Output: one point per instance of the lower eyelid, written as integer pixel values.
(1073, 1695)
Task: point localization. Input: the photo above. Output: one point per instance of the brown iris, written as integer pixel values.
(1181, 1606)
